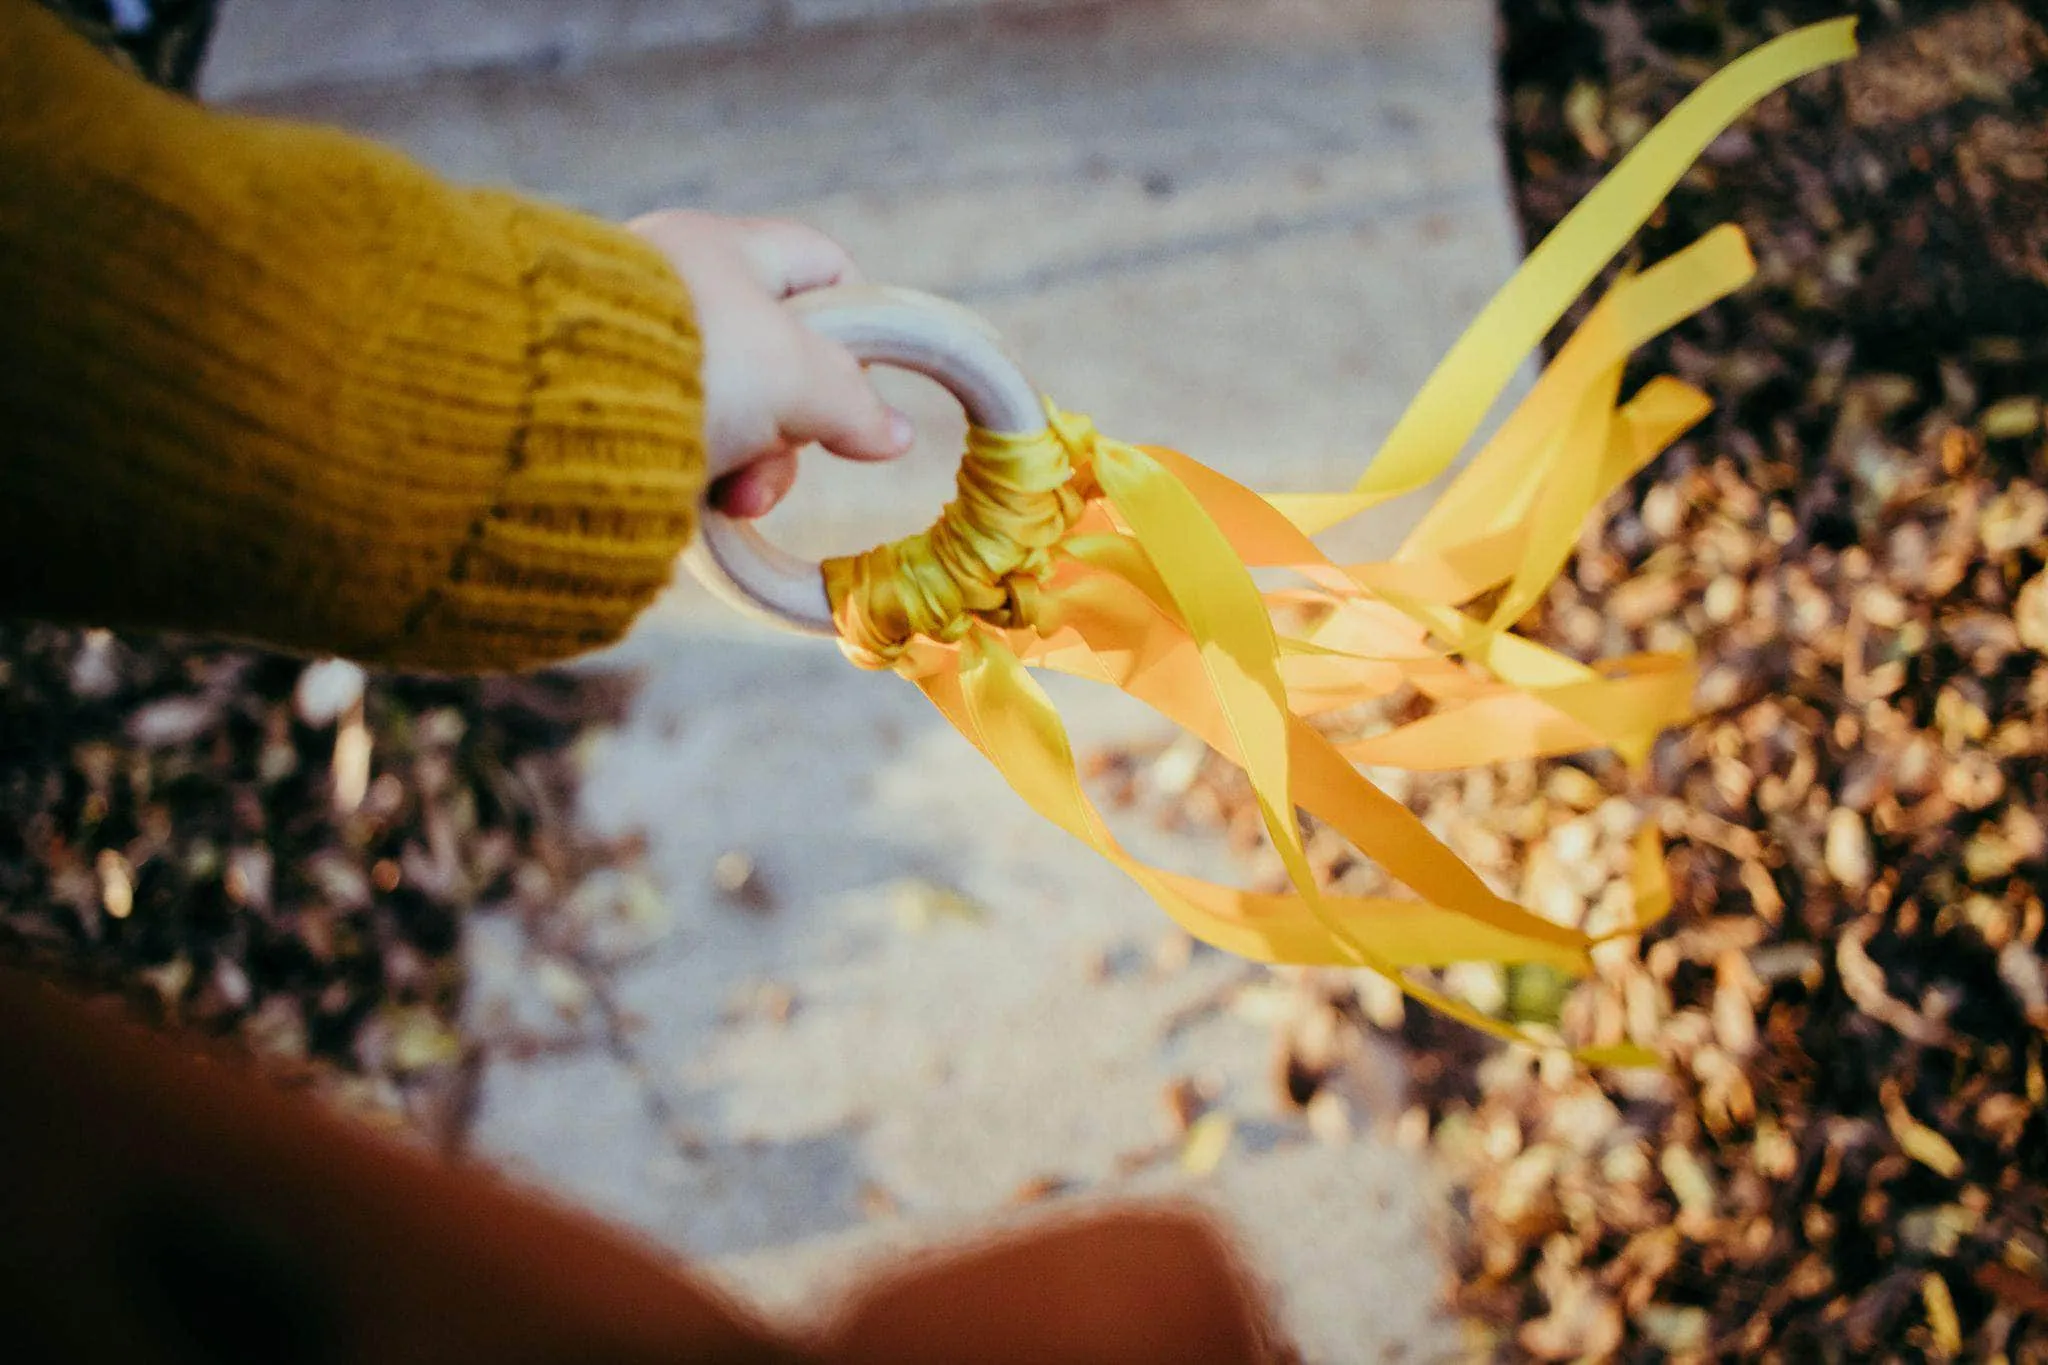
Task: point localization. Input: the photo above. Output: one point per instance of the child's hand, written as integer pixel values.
(771, 385)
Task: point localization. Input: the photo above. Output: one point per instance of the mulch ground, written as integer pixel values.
(280, 853)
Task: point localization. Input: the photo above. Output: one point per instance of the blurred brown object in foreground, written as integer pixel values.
(158, 1204)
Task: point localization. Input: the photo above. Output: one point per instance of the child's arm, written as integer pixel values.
(275, 383)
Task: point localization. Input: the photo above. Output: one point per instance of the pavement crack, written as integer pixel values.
(618, 1026)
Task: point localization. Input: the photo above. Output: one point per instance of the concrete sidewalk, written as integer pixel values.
(1246, 229)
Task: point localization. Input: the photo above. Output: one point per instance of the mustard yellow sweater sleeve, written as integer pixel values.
(273, 383)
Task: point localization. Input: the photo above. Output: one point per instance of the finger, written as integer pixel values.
(792, 258)
(833, 404)
(754, 489)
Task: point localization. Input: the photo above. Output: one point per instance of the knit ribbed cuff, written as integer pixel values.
(600, 490)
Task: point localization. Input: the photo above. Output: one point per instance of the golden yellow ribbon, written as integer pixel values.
(1069, 551)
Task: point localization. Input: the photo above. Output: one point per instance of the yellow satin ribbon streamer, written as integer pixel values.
(1069, 551)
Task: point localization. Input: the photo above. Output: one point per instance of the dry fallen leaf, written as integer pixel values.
(1848, 849)
(1208, 1142)
(918, 904)
(2030, 613)
(737, 877)
(352, 746)
(328, 690)
(1941, 1315)
(1916, 1139)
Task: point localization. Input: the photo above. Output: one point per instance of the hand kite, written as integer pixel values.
(1132, 565)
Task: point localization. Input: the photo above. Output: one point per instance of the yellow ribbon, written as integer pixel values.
(1069, 551)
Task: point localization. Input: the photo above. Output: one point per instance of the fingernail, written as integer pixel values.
(901, 430)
